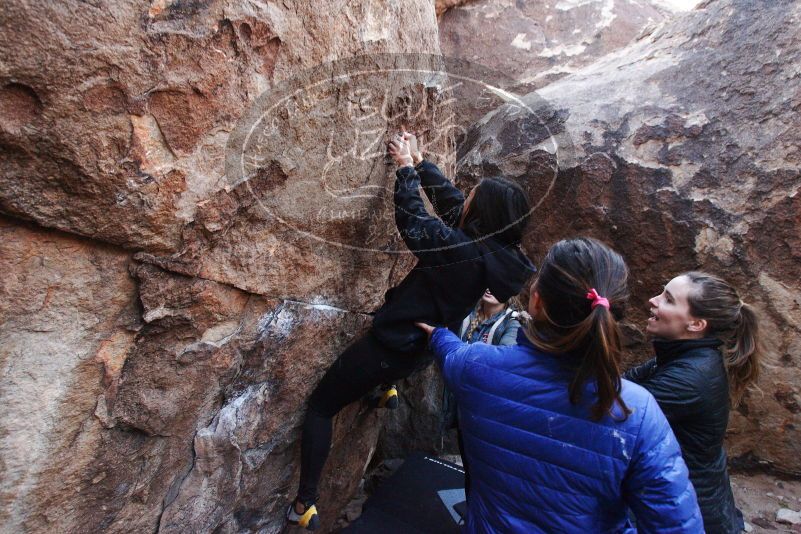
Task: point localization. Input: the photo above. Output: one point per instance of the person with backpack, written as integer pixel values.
(470, 245)
(491, 322)
(708, 350)
(556, 440)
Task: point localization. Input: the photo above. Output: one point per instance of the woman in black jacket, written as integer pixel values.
(707, 348)
(472, 245)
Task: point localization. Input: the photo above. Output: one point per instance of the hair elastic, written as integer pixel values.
(597, 300)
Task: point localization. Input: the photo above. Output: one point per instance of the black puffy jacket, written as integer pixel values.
(689, 381)
(453, 270)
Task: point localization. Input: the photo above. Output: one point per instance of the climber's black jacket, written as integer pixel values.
(452, 270)
(689, 381)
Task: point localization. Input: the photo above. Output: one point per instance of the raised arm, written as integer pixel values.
(426, 236)
(446, 199)
(657, 486)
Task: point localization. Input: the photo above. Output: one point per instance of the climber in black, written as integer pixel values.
(472, 245)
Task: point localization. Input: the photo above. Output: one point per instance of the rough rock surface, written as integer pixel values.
(531, 44)
(161, 327)
(68, 315)
(178, 413)
(681, 150)
(160, 88)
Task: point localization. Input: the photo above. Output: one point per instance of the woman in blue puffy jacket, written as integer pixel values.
(556, 440)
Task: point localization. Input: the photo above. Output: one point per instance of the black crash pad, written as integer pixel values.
(417, 498)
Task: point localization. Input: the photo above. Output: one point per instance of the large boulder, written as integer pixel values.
(682, 151)
(164, 318)
(123, 136)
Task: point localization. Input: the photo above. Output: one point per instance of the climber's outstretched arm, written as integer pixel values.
(429, 238)
(446, 199)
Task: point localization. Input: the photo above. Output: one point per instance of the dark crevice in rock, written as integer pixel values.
(175, 487)
(131, 429)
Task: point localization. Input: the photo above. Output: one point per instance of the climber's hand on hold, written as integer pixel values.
(399, 150)
(414, 149)
(427, 328)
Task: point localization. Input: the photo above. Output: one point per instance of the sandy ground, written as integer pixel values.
(758, 495)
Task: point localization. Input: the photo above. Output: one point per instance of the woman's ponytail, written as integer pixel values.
(742, 360)
(578, 320)
(601, 362)
(735, 323)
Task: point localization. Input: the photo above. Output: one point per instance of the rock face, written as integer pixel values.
(68, 313)
(531, 44)
(162, 324)
(444, 5)
(682, 151)
(164, 317)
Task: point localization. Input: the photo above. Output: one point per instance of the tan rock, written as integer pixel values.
(67, 321)
(177, 401)
(123, 134)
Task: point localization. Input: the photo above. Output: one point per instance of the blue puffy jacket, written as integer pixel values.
(540, 464)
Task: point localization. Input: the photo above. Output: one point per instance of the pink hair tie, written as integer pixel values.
(597, 300)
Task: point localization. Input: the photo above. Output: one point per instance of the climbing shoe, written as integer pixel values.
(386, 398)
(308, 519)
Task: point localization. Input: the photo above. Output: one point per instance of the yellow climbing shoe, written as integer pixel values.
(308, 519)
(389, 399)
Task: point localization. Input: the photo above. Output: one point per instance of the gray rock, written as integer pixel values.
(788, 517)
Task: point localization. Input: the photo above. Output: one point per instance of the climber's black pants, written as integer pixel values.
(363, 366)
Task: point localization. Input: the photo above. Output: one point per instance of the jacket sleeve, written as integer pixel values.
(425, 235)
(642, 372)
(450, 354)
(509, 336)
(446, 199)
(657, 486)
(678, 388)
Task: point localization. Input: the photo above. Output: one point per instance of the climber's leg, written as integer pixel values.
(364, 365)
(314, 446)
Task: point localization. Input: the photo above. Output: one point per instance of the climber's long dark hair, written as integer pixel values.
(499, 209)
(567, 322)
(732, 321)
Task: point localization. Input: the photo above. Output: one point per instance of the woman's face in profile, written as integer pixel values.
(670, 311)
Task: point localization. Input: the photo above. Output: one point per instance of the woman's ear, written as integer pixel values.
(534, 304)
(696, 326)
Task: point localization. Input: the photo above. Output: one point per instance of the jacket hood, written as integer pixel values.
(508, 269)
